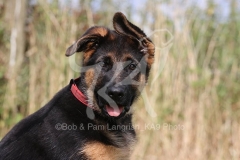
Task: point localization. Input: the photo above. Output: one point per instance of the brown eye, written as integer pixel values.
(132, 66)
(105, 63)
(95, 45)
(101, 64)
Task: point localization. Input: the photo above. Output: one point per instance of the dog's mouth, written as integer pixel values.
(114, 111)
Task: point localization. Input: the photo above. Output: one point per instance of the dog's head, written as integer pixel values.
(116, 65)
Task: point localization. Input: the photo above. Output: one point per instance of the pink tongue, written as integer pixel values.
(114, 112)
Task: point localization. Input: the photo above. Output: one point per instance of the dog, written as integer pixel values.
(91, 118)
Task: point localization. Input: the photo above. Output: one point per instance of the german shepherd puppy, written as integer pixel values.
(90, 118)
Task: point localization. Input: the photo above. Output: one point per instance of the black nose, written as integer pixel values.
(116, 93)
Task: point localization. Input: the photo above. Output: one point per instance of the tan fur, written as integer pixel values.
(126, 57)
(87, 56)
(89, 76)
(111, 37)
(100, 151)
(112, 56)
(90, 80)
(141, 83)
(150, 51)
(142, 79)
(100, 30)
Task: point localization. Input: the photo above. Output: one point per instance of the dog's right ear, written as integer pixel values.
(124, 27)
(88, 41)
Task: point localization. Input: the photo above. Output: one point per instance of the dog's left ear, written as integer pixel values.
(124, 27)
(88, 41)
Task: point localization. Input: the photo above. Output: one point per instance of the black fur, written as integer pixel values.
(36, 137)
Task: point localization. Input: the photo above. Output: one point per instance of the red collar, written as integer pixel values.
(78, 94)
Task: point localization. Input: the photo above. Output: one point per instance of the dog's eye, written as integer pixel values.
(132, 66)
(105, 63)
(101, 64)
(95, 45)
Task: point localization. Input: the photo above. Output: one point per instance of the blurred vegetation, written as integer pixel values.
(198, 86)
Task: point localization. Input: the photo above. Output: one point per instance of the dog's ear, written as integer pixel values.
(124, 27)
(88, 41)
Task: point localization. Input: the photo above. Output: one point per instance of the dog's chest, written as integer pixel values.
(100, 151)
(96, 150)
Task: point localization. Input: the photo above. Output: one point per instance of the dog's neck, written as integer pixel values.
(77, 93)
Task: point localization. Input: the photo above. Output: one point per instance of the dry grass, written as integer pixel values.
(193, 97)
(194, 100)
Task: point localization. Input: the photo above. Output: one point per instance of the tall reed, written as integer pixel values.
(190, 107)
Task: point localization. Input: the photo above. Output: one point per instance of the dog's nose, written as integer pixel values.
(116, 93)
